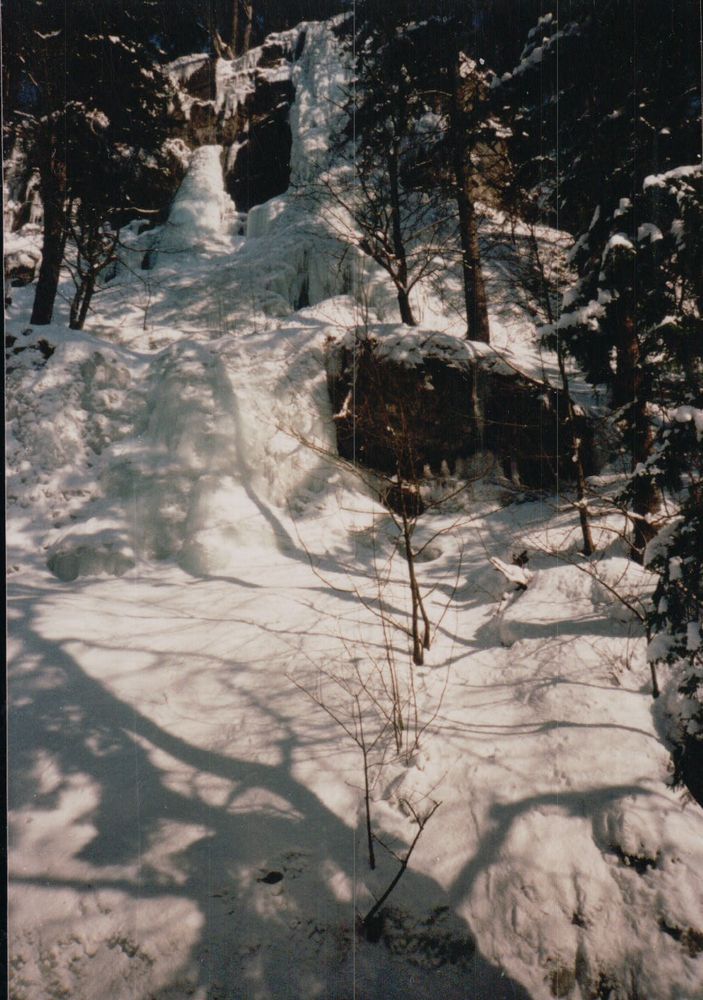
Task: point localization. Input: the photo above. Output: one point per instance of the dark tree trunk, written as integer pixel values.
(581, 487)
(624, 372)
(234, 44)
(248, 25)
(477, 326)
(646, 498)
(420, 642)
(54, 241)
(630, 389)
(400, 271)
(75, 308)
(575, 441)
(222, 50)
(406, 312)
(86, 298)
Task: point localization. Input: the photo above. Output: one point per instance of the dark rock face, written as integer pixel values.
(201, 83)
(688, 767)
(397, 418)
(261, 168)
(403, 416)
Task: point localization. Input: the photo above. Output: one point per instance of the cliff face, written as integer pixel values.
(244, 106)
(241, 104)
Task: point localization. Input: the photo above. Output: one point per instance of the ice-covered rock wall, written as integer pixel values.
(23, 214)
(320, 77)
(272, 118)
(243, 105)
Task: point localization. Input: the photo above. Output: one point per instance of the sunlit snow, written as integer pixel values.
(190, 568)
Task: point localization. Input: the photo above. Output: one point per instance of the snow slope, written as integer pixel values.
(190, 572)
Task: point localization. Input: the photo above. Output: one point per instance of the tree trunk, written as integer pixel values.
(575, 442)
(234, 43)
(53, 196)
(76, 307)
(400, 271)
(222, 50)
(646, 499)
(248, 25)
(420, 643)
(87, 298)
(624, 374)
(477, 326)
(406, 312)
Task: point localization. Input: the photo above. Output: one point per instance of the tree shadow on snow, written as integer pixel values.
(257, 938)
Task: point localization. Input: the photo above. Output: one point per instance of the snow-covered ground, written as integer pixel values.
(193, 587)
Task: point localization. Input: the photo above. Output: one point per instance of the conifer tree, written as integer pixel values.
(424, 62)
(613, 152)
(400, 221)
(87, 103)
(675, 623)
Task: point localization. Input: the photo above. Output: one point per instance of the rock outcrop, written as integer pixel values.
(242, 105)
(410, 401)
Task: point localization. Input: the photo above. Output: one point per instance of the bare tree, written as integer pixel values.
(348, 713)
(96, 244)
(406, 233)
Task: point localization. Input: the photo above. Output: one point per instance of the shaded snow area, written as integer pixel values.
(194, 630)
